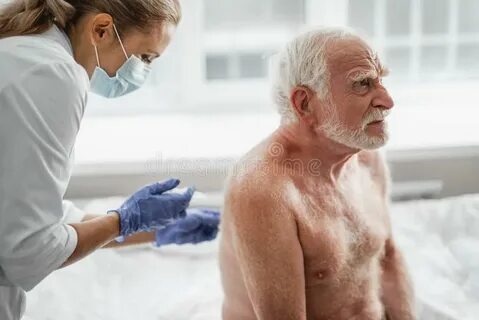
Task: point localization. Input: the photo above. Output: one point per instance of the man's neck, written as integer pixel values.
(305, 144)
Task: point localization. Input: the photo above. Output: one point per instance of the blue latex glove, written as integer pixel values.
(153, 207)
(199, 225)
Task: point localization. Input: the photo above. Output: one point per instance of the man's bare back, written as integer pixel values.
(306, 231)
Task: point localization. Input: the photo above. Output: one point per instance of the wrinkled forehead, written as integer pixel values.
(348, 56)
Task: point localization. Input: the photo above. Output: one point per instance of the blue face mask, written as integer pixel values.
(131, 76)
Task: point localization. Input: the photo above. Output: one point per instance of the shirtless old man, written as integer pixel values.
(306, 231)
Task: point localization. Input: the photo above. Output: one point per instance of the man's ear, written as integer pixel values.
(300, 100)
(102, 28)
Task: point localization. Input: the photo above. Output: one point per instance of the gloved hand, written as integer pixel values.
(153, 207)
(199, 225)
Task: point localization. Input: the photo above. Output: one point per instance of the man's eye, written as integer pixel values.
(362, 86)
(364, 83)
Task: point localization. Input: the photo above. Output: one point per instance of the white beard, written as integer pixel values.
(355, 138)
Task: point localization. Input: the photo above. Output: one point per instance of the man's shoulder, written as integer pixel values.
(257, 181)
(254, 183)
(254, 168)
(257, 201)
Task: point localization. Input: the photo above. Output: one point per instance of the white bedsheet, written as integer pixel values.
(440, 240)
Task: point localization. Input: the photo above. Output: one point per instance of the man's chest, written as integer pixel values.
(342, 230)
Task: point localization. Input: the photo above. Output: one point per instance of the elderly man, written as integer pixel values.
(306, 228)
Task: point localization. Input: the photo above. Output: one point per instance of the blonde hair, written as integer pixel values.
(22, 17)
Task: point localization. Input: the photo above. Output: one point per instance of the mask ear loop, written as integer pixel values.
(121, 43)
(97, 57)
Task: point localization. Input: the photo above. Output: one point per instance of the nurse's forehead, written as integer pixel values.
(349, 54)
(154, 37)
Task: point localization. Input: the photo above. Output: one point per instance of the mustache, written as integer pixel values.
(375, 115)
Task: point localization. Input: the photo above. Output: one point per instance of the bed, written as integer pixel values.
(440, 240)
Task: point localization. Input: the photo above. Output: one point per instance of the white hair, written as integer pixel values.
(303, 62)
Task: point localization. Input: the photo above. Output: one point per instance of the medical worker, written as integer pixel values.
(52, 52)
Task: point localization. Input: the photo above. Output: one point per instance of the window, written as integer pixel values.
(422, 39)
(236, 65)
(230, 14)
(241, 35)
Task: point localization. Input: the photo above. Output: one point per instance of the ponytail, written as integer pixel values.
(22, 17)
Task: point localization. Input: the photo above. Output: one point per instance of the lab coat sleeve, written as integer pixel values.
(71, 213)
(40, 114)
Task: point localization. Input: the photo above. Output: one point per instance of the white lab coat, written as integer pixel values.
(43, 94)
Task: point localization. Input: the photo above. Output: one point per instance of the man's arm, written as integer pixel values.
(265, 238)
(397, 289)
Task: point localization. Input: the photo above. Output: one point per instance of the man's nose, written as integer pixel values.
(383, 99)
